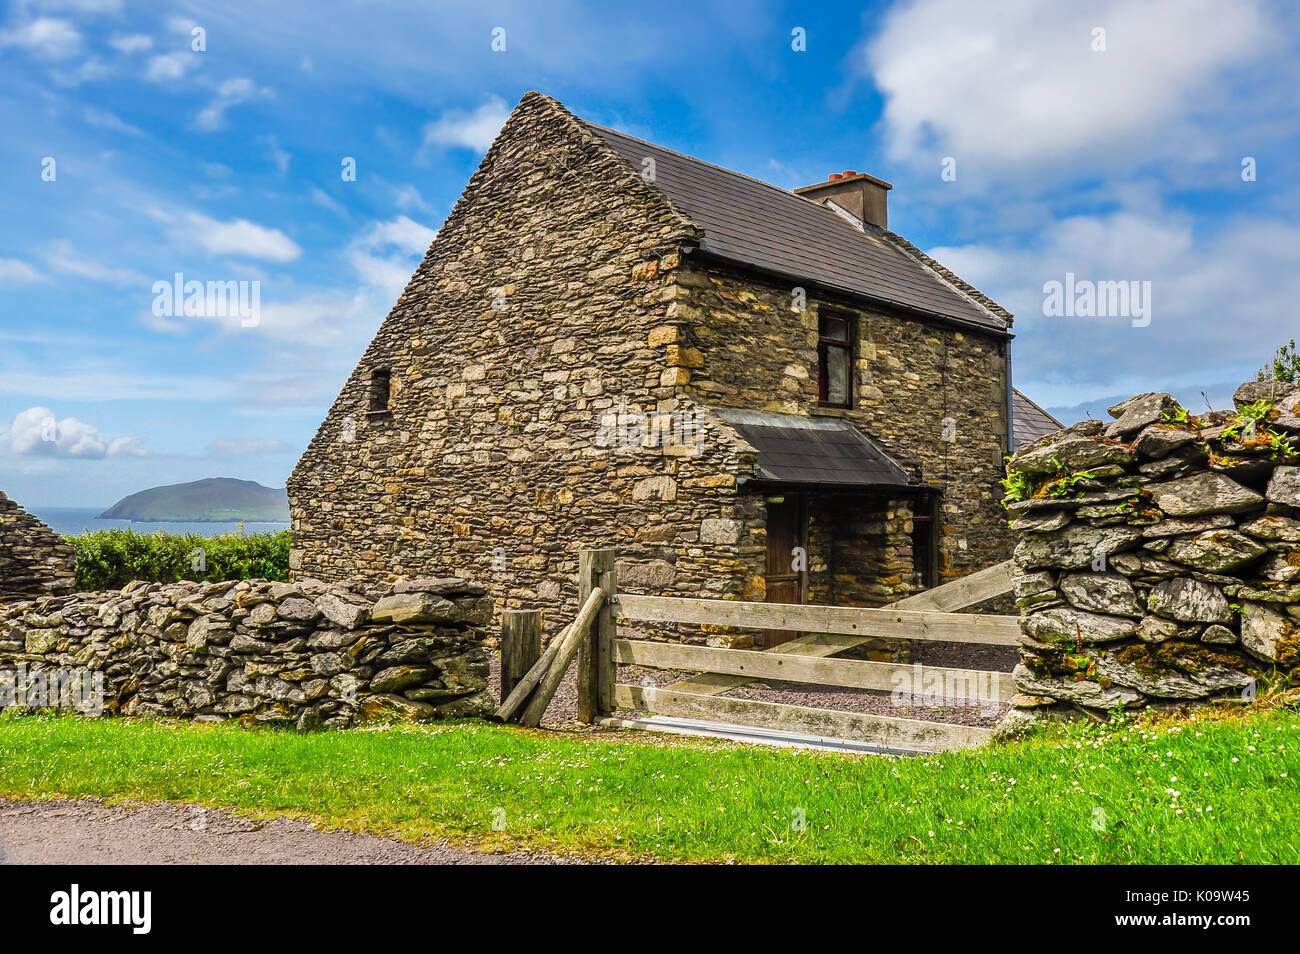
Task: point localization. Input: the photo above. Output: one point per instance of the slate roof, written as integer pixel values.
(760, 225)
(822, 451)
(1029, 422)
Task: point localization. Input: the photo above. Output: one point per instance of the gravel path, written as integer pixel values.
(562, 712)
(999, 659)
(86, 831)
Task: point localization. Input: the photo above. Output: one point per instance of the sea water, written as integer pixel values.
(74, 521)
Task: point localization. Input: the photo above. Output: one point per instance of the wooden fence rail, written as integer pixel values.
(845, 620)
(822, 671)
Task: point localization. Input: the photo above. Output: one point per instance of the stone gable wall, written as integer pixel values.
(1159, 555)
(308, 654)
(34, 560)
(749, 349)
(536, 320)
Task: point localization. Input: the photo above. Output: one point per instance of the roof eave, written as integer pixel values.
(703, 255)
(775, 483)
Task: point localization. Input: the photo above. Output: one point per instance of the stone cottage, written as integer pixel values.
(750, 393)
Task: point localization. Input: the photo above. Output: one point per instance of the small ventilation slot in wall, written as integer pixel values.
(380, 382)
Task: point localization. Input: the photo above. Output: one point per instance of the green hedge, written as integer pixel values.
(109, 559)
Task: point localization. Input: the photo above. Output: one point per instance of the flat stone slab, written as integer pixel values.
(1205, 493)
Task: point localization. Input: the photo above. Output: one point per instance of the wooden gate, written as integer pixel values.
(807, 659)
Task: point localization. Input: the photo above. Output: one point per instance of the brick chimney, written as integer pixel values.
(856, 192)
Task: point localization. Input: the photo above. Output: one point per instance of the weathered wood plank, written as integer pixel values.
(521, 646)
(950, 597)
(813, 644)
(579, 631)
(910, 734)
(595, 569)
(524, 688)
(847, 620)
(962, 592)
(853, 673)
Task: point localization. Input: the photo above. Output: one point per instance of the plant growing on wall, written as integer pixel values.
(1016, 485)
(1284, 367)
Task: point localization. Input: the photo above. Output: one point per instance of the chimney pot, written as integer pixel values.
(858, 194)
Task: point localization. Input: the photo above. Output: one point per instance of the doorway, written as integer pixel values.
(787, 558)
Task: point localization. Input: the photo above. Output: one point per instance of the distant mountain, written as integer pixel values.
(211, 499)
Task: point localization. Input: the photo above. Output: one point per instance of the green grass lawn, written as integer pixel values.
(1218, 788)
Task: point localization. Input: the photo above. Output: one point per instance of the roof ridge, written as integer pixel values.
(581, 128)
(713, 165)
(949, 277)
(760, 225)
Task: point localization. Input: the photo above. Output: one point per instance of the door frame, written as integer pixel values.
(799, 502)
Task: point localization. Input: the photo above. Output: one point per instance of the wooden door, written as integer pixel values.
(784, 578)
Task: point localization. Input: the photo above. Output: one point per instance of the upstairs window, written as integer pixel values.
(834, 359)
(380, 380)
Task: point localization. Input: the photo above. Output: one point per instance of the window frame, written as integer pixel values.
(848, 344)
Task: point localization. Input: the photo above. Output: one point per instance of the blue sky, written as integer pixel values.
(1115, 156)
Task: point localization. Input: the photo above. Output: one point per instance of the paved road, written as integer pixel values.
(86, 831)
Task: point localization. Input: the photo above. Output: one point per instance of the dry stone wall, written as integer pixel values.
(34, 560)
(305, 653)
(534, 321)
(1159, 555)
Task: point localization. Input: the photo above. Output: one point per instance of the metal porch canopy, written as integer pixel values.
(816, 453)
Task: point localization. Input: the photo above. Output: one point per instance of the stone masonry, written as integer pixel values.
(307, 654)
(559, 301)
(34, 560)
(911, 377)
(1159, 554)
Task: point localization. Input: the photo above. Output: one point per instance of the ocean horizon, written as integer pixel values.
(74, 521)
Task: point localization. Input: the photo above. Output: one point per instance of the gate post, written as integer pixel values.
(521, 646)
(596, 655)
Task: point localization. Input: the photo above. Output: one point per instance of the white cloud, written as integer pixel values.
(408, 236)
(407, 198)
(182, 25)
(37, 432)
(126, 447)
(279, 156)
(170, 66)
(91, 71)
(14, 270)
(103, 119)
(325, 200)
(470, 130)
(240, 237)
(384, 255)
(63, 257)
(130, 43)
(230, 93)
(45, 37)
(1021, 83)
(1220, 304)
